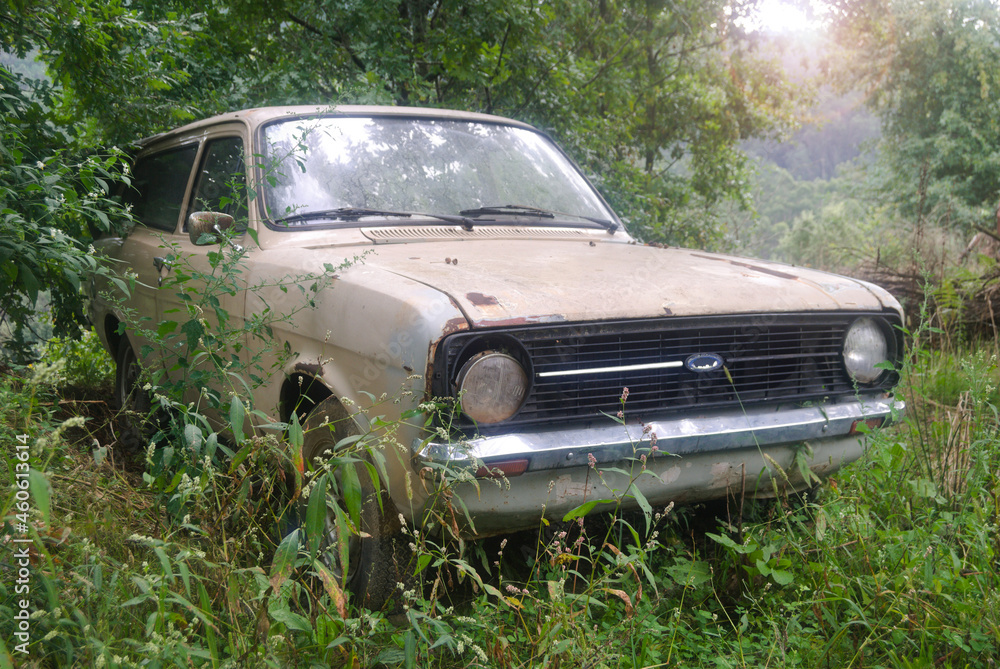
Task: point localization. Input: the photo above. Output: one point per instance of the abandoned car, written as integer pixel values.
(481, 265)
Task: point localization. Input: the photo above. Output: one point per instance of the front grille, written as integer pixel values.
(767, 358)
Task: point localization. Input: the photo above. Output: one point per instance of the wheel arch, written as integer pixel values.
(300, 393)
(111, 334)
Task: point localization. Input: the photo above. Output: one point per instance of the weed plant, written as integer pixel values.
(171, 558)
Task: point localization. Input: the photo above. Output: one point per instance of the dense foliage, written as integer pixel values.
(651, 98)
(152, 562)
(51, 203)
(929, 71)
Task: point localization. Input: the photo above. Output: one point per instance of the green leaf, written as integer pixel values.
(165, 328)
(164, 563)
(332, 588)
(410, 650)
(643, 503)
(41, 492)
(284, 559)
(343, 541)
(585, 508)
(351, 491)
(193, 437)
(316, 516)
(295, 432)
(206, 611)
(237, 415)
(291, 620)
(422, 562)
(782, 577)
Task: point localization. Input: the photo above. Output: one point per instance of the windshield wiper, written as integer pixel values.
(354, 213)
(524, 210)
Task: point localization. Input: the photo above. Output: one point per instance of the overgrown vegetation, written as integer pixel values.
(892, 563)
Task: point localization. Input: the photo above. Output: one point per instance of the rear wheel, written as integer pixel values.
(379, 557)
(134, 403)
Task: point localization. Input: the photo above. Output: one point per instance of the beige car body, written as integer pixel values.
(378, 327)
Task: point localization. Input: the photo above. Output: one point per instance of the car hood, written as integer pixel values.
(516, 282)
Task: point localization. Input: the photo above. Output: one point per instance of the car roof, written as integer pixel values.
(259, 115)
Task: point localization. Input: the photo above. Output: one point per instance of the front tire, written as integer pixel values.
(380, 557)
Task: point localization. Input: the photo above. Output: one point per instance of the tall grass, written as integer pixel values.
(893, 562)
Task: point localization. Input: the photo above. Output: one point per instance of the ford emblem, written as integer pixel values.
(704, 362)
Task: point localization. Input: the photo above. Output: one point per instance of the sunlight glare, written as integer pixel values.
(782, 17)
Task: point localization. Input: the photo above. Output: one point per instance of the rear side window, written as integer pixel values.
(159, 184)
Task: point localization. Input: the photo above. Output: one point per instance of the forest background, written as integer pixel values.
(868, 144)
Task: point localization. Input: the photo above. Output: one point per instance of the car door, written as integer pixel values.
(160, 184)
(206, 297)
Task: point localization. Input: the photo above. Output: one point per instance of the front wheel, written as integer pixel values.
(379, 557)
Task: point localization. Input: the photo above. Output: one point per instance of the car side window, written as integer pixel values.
(221, 181)
(158, 187)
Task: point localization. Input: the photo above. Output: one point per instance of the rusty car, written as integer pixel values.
(493, 272)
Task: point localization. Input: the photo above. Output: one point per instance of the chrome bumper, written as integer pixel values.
(702, 434)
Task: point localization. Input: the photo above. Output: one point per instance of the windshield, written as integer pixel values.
(416, 165)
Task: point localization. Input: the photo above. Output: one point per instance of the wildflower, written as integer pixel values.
(479, 653)
(591, 460)
(624, 394)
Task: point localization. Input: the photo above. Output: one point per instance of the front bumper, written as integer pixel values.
(561, 448)
(699, 457)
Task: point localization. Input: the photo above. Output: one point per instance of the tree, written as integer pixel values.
(928, 68)
(49, 202)
(54, 186)
(650, 97)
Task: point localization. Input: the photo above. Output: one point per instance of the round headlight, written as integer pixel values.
(865, 346)
(492, 387)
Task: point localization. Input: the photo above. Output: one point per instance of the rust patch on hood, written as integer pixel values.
(453, 325)
(756, 268)
(481, 300)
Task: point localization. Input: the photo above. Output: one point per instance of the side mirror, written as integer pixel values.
(207, 223)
